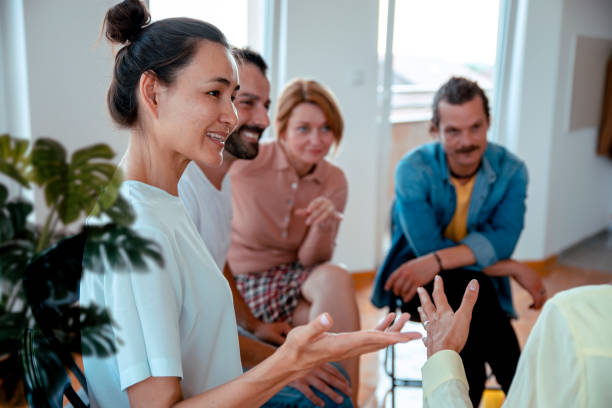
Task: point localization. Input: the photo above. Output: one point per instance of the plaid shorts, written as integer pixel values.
(273, 295)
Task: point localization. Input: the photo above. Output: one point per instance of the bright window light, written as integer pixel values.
(230, 16)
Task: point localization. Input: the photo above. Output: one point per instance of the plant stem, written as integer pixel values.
(43, 240)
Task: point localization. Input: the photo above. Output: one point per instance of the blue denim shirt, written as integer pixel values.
(425, 202)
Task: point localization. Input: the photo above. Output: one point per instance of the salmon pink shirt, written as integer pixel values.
(266, 191)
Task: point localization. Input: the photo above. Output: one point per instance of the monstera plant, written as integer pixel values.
(41, 266)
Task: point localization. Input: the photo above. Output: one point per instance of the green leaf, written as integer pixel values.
(14, 160)
(52, 279)
(43, 371)
(99, 151)
(49, 161)
(73, 188)
(121, 212)
(14, 257)
(87, 330)
(3, 194)
(19, 211)
(12, 326)
(120, 246)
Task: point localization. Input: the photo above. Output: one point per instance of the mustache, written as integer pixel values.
(467, 149)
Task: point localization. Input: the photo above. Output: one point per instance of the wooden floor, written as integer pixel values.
(373, 382)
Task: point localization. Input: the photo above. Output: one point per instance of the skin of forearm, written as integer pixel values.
(253, 352)
(318, 246)
(456, 257)
(244, 316)
(253, 388)
(461, 255)
(502, 268)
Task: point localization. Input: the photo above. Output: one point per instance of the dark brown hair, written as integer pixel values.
(457, 91)
(161, 48)
(248, 56)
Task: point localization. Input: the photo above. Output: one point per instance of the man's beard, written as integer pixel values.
(240, 148)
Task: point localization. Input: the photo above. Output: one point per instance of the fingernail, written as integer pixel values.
(437, 278)
(420, 290)
(325, 320)
(472, 284)
(420, 309)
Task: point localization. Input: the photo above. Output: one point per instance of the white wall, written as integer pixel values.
(335, 43)
(69, 68)
(570, 188)
(56, 72)
(580, 181)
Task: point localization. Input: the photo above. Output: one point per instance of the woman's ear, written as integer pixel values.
(148, 88)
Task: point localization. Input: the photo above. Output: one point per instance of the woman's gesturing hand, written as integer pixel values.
(321, 211)
(446, 330)
(311, 345)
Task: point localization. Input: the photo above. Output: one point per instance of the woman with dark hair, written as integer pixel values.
(175, 329)
(288, 205)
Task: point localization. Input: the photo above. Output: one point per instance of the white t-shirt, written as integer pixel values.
(176, 320)
(209, 209)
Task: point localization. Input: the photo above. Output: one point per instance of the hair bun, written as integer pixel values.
(125, 21)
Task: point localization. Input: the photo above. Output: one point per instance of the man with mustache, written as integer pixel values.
(206, 193)
(458, 212)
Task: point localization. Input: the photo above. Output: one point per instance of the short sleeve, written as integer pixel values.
(145, 308)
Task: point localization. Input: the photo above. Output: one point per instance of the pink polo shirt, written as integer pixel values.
(265, 193)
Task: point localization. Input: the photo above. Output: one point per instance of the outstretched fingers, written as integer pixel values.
(316, 328)
(469, 299)
(399, 323)
(427, 305)
(385, 322)
(439, 297)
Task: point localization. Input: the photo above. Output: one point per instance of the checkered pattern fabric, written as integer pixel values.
(273, 295)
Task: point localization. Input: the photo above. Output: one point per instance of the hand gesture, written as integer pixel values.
(446, 330)
(531, 282)
(311, 345)
(321, 212)
(323, 378)
(405, 280)
(274, 333)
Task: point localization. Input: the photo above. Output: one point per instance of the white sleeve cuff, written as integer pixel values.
(445, 365)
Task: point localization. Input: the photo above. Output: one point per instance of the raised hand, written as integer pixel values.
(321, 211)
(311, 345)
(446, 330)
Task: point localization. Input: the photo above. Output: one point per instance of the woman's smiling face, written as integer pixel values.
(195, 113)
(308, 137)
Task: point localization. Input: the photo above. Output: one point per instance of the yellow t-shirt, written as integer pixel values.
(457, 229)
